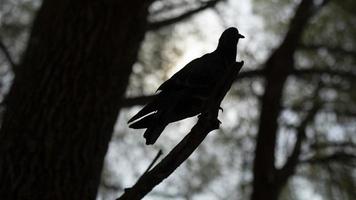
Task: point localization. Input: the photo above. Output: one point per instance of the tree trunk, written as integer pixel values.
(266, 182)
(66, 96)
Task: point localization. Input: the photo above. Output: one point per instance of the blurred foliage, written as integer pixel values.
(328, 36)
(221, 167)
(155, 60)
(15, 21)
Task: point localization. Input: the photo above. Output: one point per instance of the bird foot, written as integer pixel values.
(216, 123)
(213, 121)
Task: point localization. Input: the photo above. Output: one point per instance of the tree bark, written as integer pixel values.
(66, 96)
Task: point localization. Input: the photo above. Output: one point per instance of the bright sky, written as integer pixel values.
(211, 26)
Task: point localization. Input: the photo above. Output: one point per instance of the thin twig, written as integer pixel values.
(288, 169)
(186, 15)
(7, 54)
(333, 49)
(341, 157)
(142, 100)
(154, 161)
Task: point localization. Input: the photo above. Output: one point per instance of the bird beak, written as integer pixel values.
(241, 36)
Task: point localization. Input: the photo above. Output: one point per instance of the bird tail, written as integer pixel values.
(154, 126)
(149, 108)
(152, 133)
(145, 122)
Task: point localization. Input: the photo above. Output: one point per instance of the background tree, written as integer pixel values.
(290, 114)
(287, 133)
(66, 94)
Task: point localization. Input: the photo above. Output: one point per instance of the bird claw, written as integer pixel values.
(216, 123)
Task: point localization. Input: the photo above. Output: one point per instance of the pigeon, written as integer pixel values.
(183, 95)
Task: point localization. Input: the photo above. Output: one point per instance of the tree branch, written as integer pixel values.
(7, 54)
(278, 67)
(334, 157)
(142, 100)
(159, 24)
(172, 161)
(154, 161)
(334, 49)
(289, 167)
(349, 75)
(207, 122)
(346, 144)
(298, 23)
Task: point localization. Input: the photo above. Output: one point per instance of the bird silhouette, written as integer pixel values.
(184, 94)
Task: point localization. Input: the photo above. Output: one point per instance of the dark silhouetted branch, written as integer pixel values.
(154, 161)
(332, 49)
(172, 161)
(278, 67)
(289, 167)
(349, 75)
(346, 144)
(142, 100)
(339, 156)
(251, 74)
(298, 23)
(207, 122)
(111, 187)
(300, 72)
(7, 54)
(186, 15)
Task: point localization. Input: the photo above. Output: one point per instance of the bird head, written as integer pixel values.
(229, 38)
(228, 42)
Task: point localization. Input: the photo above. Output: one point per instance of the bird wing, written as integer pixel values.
(164, 101)
(192, 83)
(198, 74)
